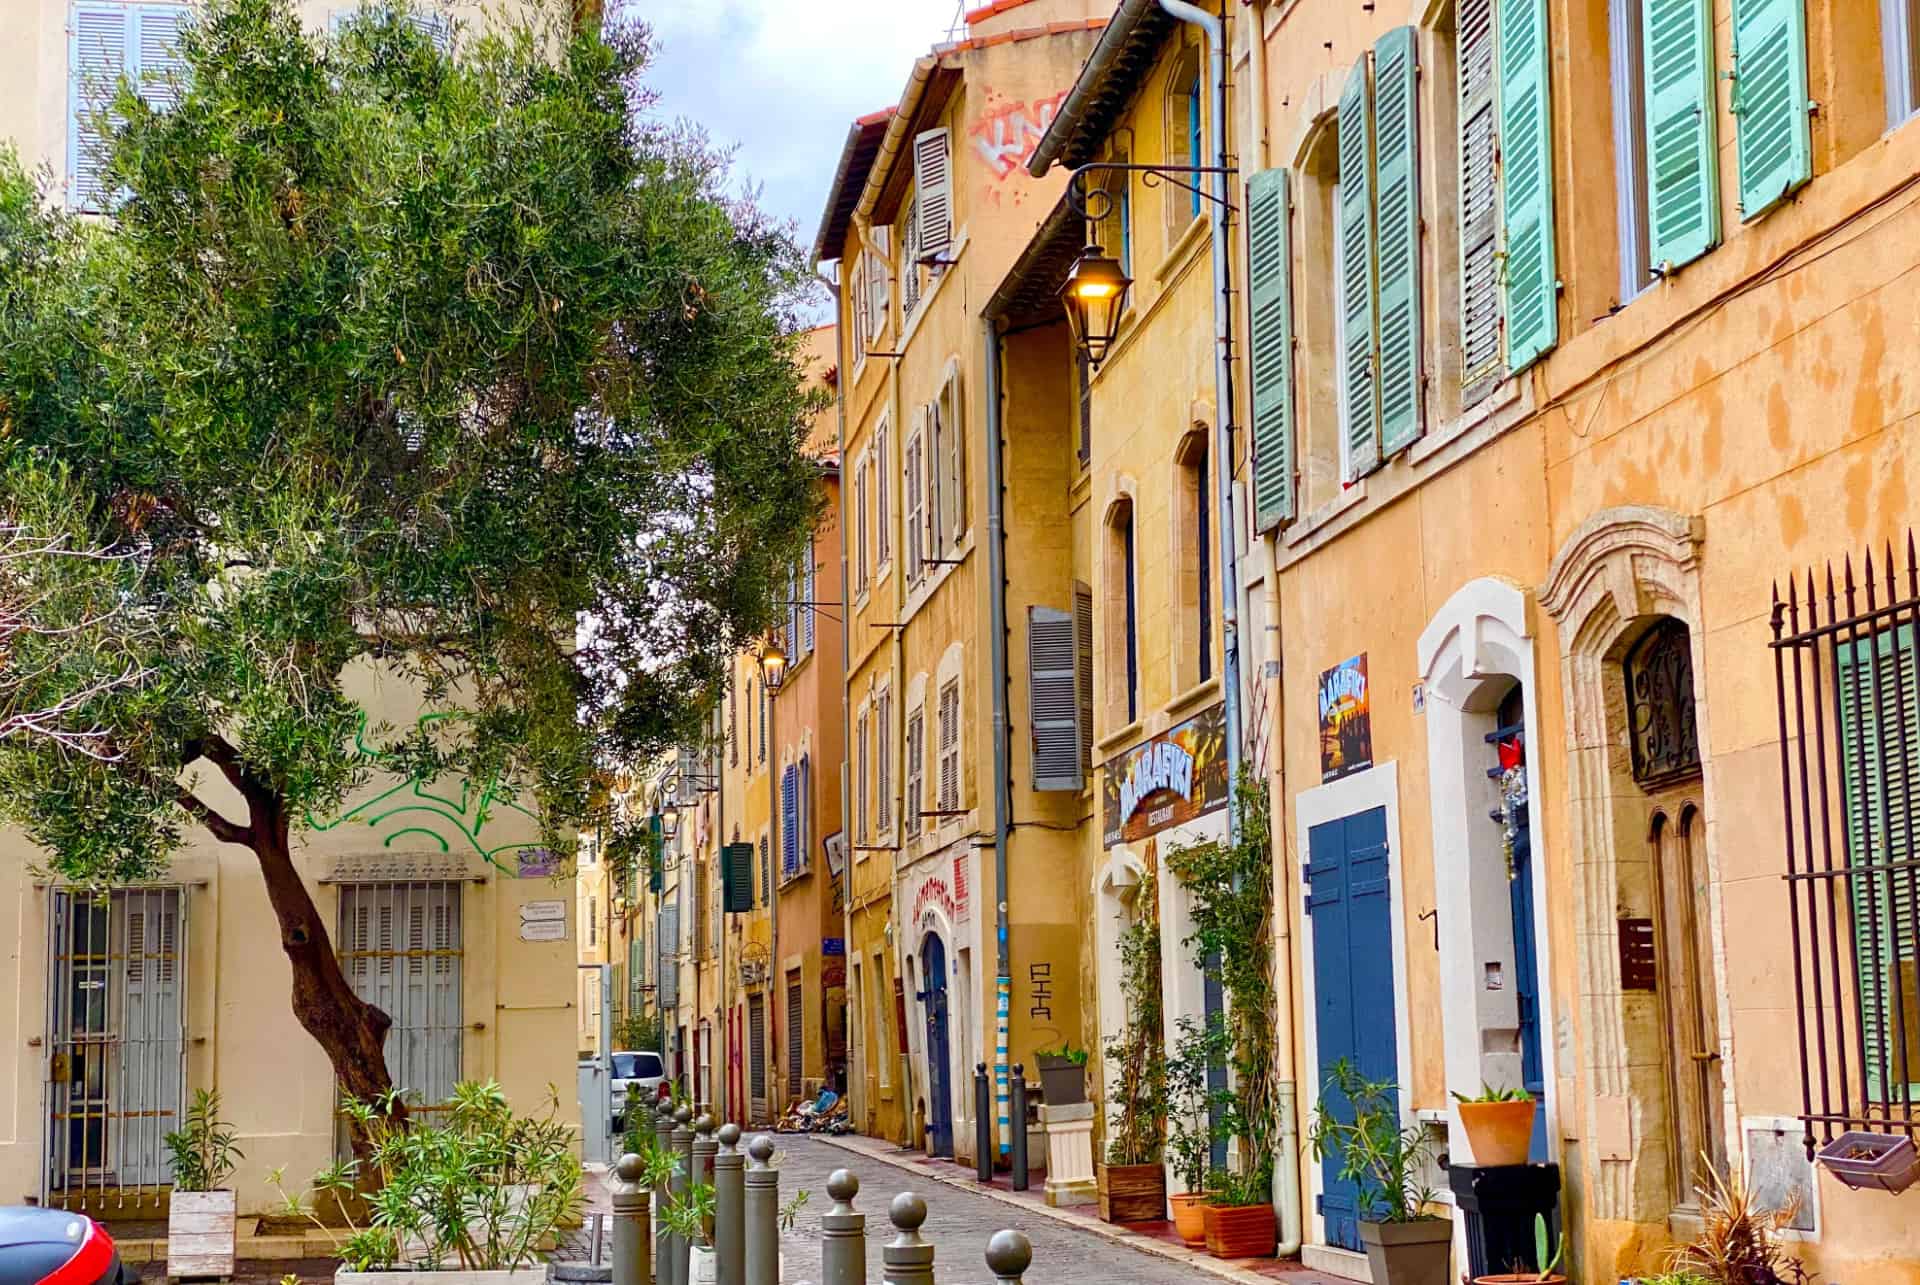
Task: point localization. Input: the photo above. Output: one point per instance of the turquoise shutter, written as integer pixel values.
(1770, 101)
(1396, 161)
(1880, 781)
(1683, 190)
(1359, 259)
(1270, 346)
(1530, 290)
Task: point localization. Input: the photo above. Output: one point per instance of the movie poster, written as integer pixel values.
(1346, 720)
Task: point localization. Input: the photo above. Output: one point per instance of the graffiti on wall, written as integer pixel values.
(1040, 984)
(1005, 137)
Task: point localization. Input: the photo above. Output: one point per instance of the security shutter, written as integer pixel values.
(1083, 652)
(1531, 295)
(796, 1036)
(1479, 204)
(1270, 345)
(1683, 201)
(1053, 703)
(1359, 256)
(757, 1047)
(933, 188)
(1396, 163)
(1770, 101)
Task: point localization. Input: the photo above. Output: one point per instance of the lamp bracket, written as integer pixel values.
(1096, 203)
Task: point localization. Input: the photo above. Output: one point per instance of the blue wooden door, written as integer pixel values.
(1349, 903)
(933, 971)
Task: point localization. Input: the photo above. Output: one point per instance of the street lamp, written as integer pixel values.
(773, 664)
(1095, 294)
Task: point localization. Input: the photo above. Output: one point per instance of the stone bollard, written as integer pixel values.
(663, 1139)
(907, 1259)
(705, 1147)
(1019, 1122)
(729, 1207)
(679, 1251)
(632, 1249)
(843, 1234)
(982, 1124)
(763, 1214)
(1009, 1254)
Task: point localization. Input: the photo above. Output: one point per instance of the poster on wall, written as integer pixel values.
(1167, 781)
(1346, 719)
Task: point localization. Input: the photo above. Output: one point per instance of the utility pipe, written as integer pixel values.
(1002, 785)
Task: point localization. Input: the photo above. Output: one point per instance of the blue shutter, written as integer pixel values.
(1683, 188)
(1396, 129)
(1270, 345)
(1770, 101)
(789, 819)
(803, 813)
(1530, 295)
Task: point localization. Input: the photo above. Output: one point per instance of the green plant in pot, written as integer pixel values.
(1132, 1184)
(1499, 1124)
(201, 1210)
(1547, 1253)
(1357, 1124)
(1063, 1074)
(1192, 1110)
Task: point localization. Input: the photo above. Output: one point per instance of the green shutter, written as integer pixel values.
(1397, 163)
(1359, 267)
(1683, 190)
(1880, 781)
(1270, 346)
(1770, 101)
(1530, 289)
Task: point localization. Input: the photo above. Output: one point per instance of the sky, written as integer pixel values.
(782, 80)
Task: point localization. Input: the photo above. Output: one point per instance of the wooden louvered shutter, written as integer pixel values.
(883, 762)
(1878, 717)
(950, 748)
(1397, 218)
(1053, 700)
(1270, 345)
(933, 187)
(1083, 672)
(910, 261)
(882, 507)
(807, 570)
(669, 947)
(161, 69)
(1770, 101)
(1359, 258)
(1479, 204)
(916, 770)
(98, 54)
(915, 488)
(803, 813)
(1531, 294)
(789, 822)
(1683, 197)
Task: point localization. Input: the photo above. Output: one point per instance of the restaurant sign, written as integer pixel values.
(1167, 781)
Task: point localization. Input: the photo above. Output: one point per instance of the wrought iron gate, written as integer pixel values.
(402, 949)
(116, 1042)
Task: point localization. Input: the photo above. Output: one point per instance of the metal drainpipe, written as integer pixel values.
(1215, 32)
(1002, 785)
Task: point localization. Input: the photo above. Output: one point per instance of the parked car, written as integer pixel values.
(41, 1246)
(638, 1077)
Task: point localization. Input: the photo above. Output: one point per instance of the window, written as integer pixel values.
(948, 522)
(1123, 654)
(883, 518)
(1083, 373)
(1900, 44)
(915, 800)
(1194, 538)
(109, 40)
(766, 699)
(914, 458)
(860, 305)
(1186, 140)
(1661, 715)
(950, 746)
(883, 761)
(733, 715)
(1194, 149)
(1117, 228)
(910, 261)
(1630, 144)
(593, 922)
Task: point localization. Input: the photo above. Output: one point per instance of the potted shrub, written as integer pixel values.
(1499, 1124)
(1544, 1264)
(689, 1215)
(1063, 1074)
(1239, 1219)
(1132, 1184)
(200, 1211)
(1191, 1125)
(1357, 1123)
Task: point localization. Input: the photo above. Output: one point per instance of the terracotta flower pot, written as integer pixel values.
(1133, 1193)
(1412, 1253)
(1240, 1231)
(1500, 1132)
(1520, 1278)
(1189, 1217)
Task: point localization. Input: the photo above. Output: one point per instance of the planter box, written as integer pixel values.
(1133, 1193)
(1872, 1161)
(1240, 1231)
(535, 1275)
(1063, 1083)
(200, 1233)
(1415, 1253)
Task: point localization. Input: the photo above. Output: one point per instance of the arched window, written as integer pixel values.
(1122, 605)
(1661, 724)
(1194, 538)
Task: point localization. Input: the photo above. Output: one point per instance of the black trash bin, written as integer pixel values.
(1499, 1203)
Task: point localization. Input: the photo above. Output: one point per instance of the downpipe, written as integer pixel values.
(1002, 785)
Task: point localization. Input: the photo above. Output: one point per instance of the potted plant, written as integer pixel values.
(1499, 1124)
(1239, 1219)
(1544, 1265)
(200, 1211)
(689, 1216)
(1132, 1184)
(1191, 1125)
(1357, 1123)
(1063, 1074)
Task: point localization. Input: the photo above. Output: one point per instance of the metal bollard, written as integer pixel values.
(907, 1259)
(843, 1234)
(763, 1214)
(1019, 1106)
(729, 1207)
(982, 1124)
(663, 1139)
(632, 1251)
(679, 1250)
(705, 1147)
(1009, 1254)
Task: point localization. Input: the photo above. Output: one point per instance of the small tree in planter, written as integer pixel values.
(1133, 1181)
(1357, 1121)
(200, 1211)
(1192, 1108)
(689, 1216)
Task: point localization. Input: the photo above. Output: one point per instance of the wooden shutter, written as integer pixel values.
(910, 261)
(1270, 346)
(1083, 673)
(861, 766)
(1683, 197)
(789, 822)
(807, 581)
(882, 515)
(1479, 204)
(1053, 701)
(161, 69)
(916, 447)
(916, 771)
(669, 948)
(937, 430)
(1770, 101)
(1530, 298)
(1397, 214)
(883, 762)
(1359, 256)
(954, 422)
(933, 190)
(860, 526)
(98, 53)
(803, 814)
(1879, 727)
(950, 748)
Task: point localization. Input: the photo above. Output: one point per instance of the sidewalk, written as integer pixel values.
(1158, 1239)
